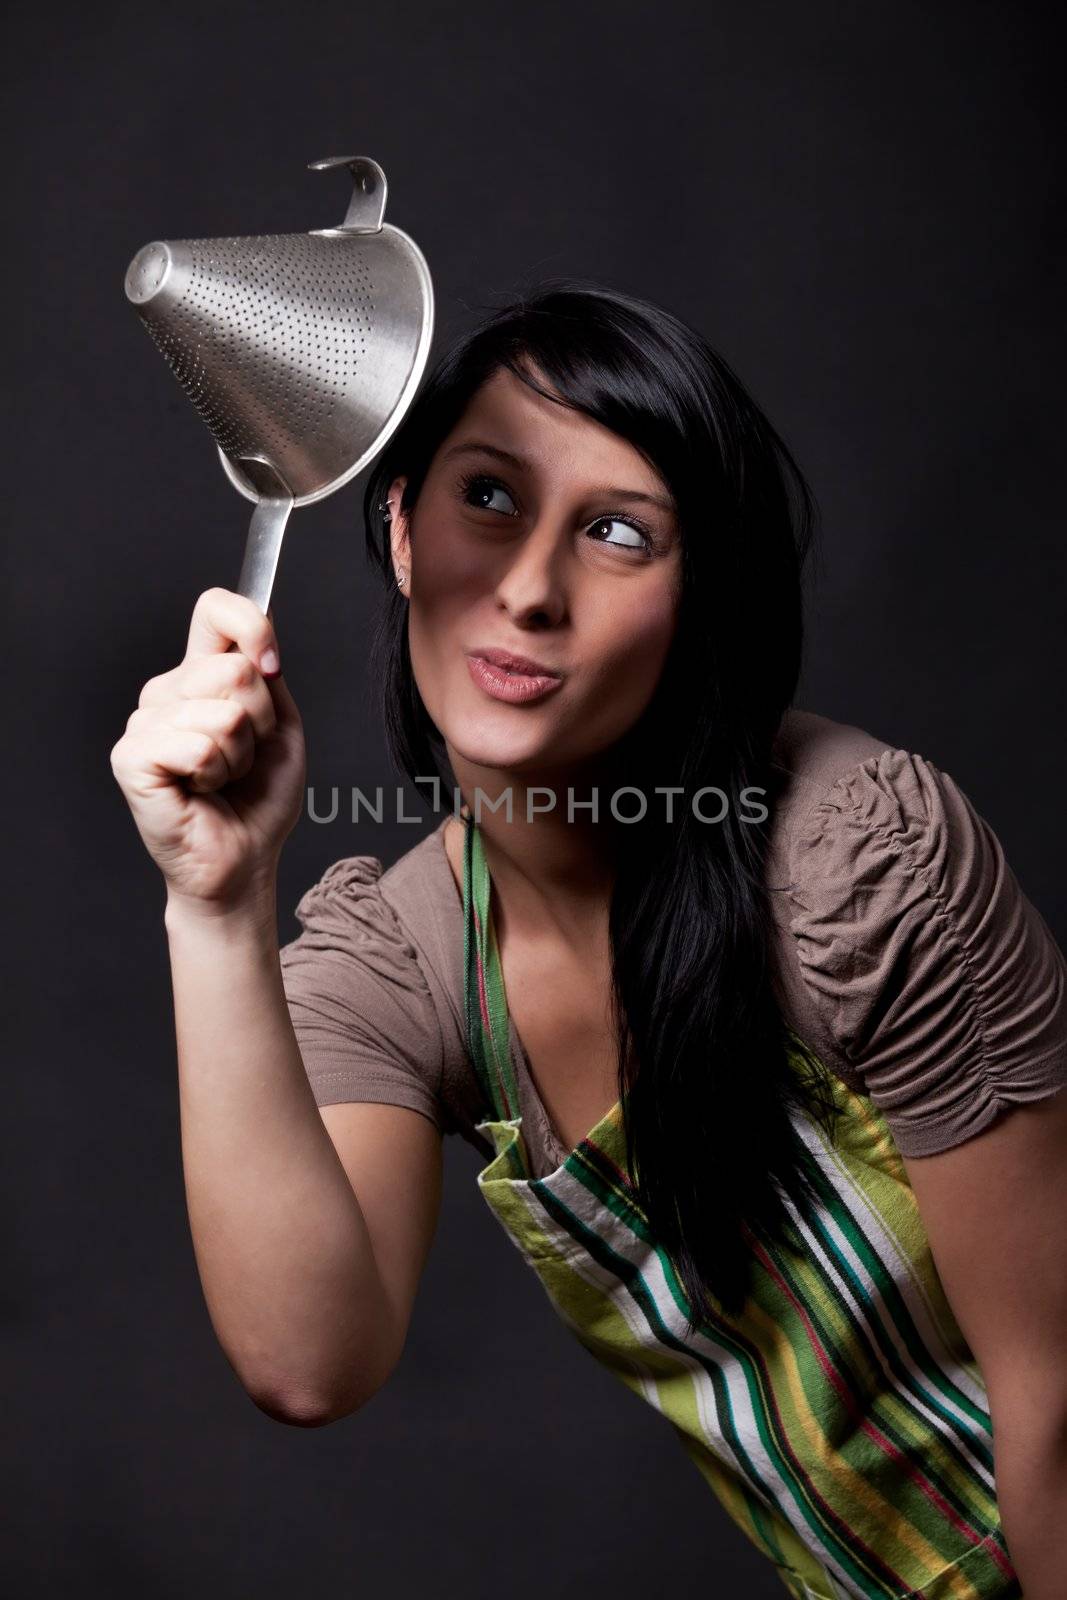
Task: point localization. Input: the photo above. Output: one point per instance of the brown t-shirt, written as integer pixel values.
(906, 956)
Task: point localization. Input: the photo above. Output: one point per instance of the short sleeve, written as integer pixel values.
(936, 978)
(362, 1011)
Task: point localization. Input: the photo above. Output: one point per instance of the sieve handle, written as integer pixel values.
(262, 549)
(366, 207)
(263, 545)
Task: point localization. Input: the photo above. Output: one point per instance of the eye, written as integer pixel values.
(640, 539)
(478, 488)
(485, 488)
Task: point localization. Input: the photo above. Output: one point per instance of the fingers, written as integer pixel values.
(221, 618)
(141, 761)
(224, 722)
(202, 721)
(220, 677)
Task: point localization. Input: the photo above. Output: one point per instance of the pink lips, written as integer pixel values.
(509, 677)
(514, 662)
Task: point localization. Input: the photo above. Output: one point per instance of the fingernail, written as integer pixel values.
(269, 664)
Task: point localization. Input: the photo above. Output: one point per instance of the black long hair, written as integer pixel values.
(704, 1079)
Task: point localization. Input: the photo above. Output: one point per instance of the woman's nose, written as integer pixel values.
(534, 576)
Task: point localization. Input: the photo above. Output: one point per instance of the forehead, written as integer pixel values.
(554, 438)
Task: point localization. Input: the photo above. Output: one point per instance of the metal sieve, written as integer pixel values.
(301, 351)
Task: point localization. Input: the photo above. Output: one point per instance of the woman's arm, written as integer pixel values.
(309, 1251)
(995, 1211)
(309, 1270)
(943, 989)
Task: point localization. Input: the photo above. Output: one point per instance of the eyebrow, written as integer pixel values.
(476, 447)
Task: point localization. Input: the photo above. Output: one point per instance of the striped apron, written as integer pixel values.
(840, 1418)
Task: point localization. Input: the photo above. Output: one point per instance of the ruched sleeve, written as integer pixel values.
(362, 1011)
(937, 979)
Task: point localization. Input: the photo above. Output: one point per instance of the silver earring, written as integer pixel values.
(399, 578)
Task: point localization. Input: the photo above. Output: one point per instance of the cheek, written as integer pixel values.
(451, 583)
(450, 576)
(629, 643)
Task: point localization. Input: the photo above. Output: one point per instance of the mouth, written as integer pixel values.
(503, 675)
(510, 662)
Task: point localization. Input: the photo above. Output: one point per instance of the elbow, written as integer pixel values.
(303, 1409)
(297, 1411)
(302, 1402)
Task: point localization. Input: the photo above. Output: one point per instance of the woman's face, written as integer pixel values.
(541, 533)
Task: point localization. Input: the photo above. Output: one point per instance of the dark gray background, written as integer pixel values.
(862, 207)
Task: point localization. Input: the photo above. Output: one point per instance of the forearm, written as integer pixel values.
(281, 1245)
(1031, 1477)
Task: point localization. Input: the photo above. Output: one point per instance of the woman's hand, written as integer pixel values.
(212, 760)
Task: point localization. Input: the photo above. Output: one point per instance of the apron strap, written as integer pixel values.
(486, 1002)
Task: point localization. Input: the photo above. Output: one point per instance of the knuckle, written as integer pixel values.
(148, 690)
(193, 672)
(242, 674)
(234, 716)
(204, 752)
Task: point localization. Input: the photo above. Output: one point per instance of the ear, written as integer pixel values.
(399, 531)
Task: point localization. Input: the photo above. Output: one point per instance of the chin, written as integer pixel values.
(496, 753)
(498, 737)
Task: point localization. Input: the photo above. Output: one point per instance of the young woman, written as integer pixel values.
(744, 1008)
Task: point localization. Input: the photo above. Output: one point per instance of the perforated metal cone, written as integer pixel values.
(299, 350)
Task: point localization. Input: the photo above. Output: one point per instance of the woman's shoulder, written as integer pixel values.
(848, 799)
(843, 794)
(399, 915)
(374, 984)
(363, 881)
(811, 753)
(935, 976)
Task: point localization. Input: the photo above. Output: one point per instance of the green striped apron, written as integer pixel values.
(841, 1418)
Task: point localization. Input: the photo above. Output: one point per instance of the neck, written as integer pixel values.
(548, 872)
